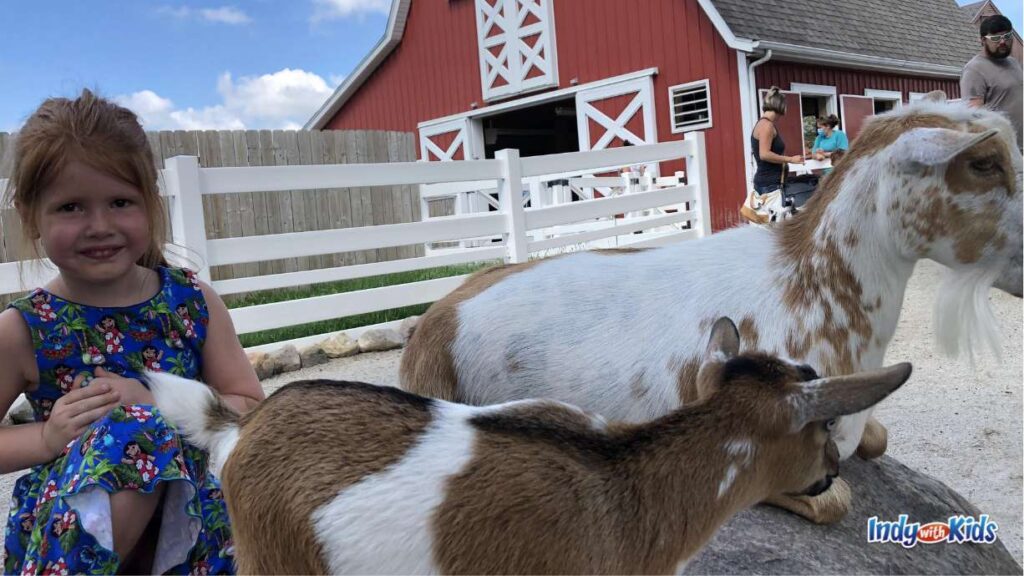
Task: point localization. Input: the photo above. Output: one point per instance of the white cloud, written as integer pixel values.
(285, 99)
(283, 94)
(222, 15)
(332, 9)
(225, 14)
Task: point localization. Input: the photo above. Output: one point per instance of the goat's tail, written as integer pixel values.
(199, 414)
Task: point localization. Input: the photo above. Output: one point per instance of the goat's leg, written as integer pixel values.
(874, 441)
(828, 507)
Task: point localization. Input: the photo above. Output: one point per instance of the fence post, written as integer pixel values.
(188, 223)
(697, 175)
(510, 198)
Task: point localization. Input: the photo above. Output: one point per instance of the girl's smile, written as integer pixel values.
(93, 226)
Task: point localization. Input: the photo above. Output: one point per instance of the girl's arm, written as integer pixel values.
(844, 142)
(21, 446)
(225, 367)
(27, 445)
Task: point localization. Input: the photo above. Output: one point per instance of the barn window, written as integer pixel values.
(515, 41)
(690, 106)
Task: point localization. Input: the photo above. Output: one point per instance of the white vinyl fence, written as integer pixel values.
(681, 209)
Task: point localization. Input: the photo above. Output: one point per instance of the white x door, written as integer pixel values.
(613, 115)
(446, 141)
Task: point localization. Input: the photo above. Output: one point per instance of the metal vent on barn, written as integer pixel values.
(690, 104)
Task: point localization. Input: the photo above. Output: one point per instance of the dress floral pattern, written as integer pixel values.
(133, 448)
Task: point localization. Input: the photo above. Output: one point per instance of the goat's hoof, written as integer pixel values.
(874, 440)
(829, 507)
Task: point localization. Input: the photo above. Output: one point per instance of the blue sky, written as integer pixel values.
(195, 64)
(185, 64)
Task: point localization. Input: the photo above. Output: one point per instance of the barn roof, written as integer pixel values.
(933, 32)
(973, 9)
(930, 37)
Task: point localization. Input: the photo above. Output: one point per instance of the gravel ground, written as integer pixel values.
(959, 424)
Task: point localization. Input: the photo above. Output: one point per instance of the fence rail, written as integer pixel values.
(186, 185)
(242, 207)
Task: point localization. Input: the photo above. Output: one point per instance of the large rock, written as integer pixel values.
(407, 327)
(767, 540)
(259, 363)
(313, 355)
(340, 345)
(378, 340)
(284, 359)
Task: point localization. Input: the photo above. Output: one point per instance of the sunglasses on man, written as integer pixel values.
(994, 38)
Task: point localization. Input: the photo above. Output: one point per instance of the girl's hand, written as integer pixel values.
(130, 390)
(798, 159)
(75, 411)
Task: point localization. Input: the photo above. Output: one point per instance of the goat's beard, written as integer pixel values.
(963, 317)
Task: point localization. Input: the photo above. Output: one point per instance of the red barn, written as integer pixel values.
(546, 76)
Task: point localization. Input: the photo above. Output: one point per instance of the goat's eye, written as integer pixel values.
(984, 165)
(830, 425)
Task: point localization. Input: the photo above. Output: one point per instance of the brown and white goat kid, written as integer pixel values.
(344, 477)
(611, 331)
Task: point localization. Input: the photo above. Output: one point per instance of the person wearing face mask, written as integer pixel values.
(992, 79)
(829, 140)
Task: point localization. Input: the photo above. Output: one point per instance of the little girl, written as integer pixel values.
(111, 486)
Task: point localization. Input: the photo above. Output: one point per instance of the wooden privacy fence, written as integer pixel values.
(187, 186)
(280, 211)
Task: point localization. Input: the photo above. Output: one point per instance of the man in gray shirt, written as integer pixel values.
(992, 79)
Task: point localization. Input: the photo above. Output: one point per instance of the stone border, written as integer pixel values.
(289, 358)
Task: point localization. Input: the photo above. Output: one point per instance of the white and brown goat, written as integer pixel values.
(619, 333)
(343, 477)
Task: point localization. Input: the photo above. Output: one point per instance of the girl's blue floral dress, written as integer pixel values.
(60, 512)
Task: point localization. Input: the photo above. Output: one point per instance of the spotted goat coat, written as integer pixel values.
(619, 332)
(344, 477)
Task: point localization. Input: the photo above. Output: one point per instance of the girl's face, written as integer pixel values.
(92, 225)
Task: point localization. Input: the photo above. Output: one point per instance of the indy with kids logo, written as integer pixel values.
(956, 530)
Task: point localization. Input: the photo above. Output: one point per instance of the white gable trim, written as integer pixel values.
(392, 36)
(731, 40)
(823, 57)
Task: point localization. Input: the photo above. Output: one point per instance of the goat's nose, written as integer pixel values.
(820, 486)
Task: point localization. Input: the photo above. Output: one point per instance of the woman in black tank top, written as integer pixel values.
(767, 145)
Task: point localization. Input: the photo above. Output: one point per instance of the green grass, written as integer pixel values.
(301, 330)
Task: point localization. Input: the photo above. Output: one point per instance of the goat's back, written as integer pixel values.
(296, 451)
(616, 333)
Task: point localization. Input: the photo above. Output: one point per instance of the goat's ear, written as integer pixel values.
(724, 342)
(723, 345)
(828, 398)
(935, 96)
(933, 146)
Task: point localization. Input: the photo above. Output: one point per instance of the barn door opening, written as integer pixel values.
(791, 124)
(546, 128)
(855, 110)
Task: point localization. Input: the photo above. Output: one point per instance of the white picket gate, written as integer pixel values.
(185, 183)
